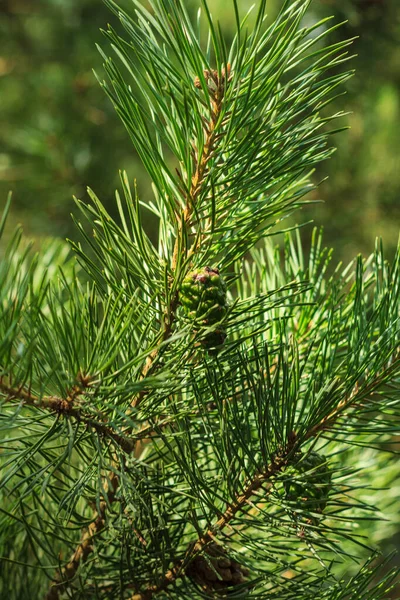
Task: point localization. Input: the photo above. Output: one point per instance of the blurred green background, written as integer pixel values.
(59, 133)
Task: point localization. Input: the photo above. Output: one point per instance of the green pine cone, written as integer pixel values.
(203, 296)
(311, 483)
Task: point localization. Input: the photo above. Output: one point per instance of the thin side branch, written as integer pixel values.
(66, 406)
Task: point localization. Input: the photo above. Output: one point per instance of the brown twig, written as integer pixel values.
(62, 406)
(216, 91)
(67, 406)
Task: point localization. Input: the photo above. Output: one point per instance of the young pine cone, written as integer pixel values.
(214, 340)
(203, 296)
(311, 483)
(214, 572)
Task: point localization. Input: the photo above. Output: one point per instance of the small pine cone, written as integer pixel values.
(203, 296)
(214, 341)
(213, 571)
(312, 483)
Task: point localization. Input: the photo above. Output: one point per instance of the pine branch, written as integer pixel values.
(216, 90)
(244, 153)
(366, 392)
(280, 461)
(359, 394)
(85, 546)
